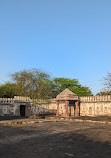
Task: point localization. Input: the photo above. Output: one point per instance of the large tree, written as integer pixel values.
(38, 85)
(7, 90)
(59, 84)
(32, 83)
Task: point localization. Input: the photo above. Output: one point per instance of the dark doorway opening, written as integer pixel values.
(72, 108)
(22, 110)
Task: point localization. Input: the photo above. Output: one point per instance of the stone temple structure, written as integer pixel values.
(71, 100)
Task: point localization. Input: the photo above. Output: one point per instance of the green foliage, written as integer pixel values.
(59, 84)
(38, 85)
(7, 90)
(103, 93)
(32, 83)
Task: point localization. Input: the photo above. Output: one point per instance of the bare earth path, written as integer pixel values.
(56, 140)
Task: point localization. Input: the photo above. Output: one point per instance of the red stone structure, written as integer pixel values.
(67, 96)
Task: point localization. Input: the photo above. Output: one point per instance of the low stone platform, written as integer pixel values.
(53, 119)
(78, 119)
(24, 121)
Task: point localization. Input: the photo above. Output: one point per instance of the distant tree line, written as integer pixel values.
(104, 93)
(39, 85)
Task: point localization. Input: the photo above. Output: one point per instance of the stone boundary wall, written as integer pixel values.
(16, 98)
(104, 98)
(11, 106)
(25, 99)
(95, 105)
(89, 106)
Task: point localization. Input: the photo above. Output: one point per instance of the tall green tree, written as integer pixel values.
(32, 83)
(59, 84)
(38, 85)
(7, 90)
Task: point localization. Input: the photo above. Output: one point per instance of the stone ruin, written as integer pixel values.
(24, 106)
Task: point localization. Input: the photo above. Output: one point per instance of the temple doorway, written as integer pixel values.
(22, 110)
(72, 108)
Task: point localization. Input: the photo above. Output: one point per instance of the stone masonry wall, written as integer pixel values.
(11, 106)
(95, 105)
(89, 106)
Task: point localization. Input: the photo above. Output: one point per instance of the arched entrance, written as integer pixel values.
(22, 110)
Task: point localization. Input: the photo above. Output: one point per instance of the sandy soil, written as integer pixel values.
(56, 140)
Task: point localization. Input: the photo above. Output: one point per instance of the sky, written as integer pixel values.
(65, 38)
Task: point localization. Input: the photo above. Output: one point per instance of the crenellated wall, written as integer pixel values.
(104, 98)
(95, 105)
(89, 106)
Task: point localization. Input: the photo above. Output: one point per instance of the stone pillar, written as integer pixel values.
(77, 108)
(67, 110)
(57, 102)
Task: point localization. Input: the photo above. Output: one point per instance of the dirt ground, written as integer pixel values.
(56, 140)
